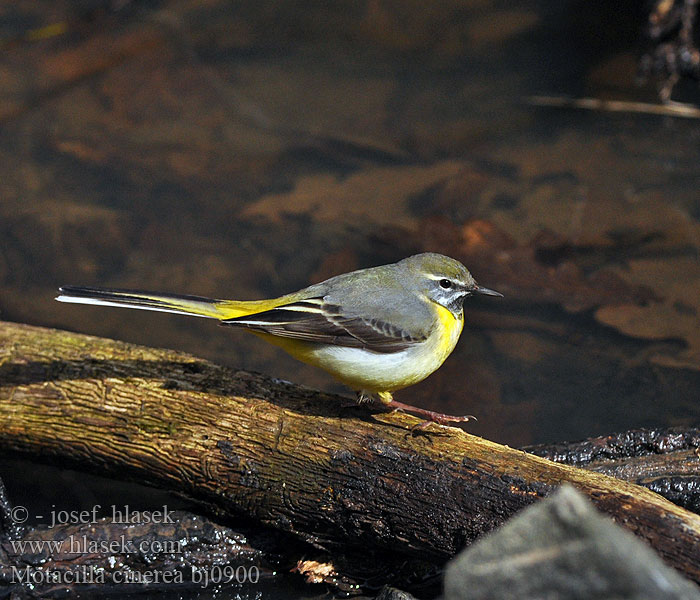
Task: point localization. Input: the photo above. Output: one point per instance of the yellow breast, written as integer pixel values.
(449, 331)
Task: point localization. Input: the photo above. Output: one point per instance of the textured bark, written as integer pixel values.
(662, 460)
(292, 458)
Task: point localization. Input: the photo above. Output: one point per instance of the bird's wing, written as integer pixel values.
(315, 320)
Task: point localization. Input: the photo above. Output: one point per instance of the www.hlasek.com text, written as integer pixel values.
(82, 544)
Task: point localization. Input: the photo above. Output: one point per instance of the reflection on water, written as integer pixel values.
(246, 150)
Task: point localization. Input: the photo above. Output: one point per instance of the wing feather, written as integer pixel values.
(313, 320)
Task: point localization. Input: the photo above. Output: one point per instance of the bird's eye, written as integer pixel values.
(445, 284)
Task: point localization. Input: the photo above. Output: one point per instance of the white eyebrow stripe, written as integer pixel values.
(441, 277)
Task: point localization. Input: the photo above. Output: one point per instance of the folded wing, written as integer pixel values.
(314, 320)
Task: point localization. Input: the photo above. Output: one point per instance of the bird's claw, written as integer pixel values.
(442, 419)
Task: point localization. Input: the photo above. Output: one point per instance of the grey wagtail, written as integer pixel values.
(377, 330)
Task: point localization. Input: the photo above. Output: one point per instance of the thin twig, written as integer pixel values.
(672, 109)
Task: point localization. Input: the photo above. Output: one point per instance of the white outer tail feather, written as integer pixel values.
(98, 302)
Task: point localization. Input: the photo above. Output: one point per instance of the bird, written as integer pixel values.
(377, 330)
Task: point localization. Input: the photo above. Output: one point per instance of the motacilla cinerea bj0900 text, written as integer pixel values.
(377, 330)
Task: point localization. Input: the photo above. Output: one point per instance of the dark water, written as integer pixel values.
(244, 150)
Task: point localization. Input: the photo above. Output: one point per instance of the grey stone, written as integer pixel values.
(563, 548)
(390, 593)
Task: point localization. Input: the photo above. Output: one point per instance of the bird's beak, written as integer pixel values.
(486, 291)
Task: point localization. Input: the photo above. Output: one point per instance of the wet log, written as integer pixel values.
(288, 457)
(665, 460)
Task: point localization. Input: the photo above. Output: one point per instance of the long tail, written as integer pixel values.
(197, 306)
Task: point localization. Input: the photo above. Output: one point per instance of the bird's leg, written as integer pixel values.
(387, 400)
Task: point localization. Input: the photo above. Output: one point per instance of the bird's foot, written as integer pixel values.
(430, 416)
(386, 400)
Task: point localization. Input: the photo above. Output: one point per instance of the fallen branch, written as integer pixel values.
(666, 461)
(289, 457)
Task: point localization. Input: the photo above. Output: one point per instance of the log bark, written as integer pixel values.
(291, 458)
(662, 460)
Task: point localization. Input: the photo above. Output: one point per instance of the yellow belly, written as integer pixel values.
(362, 369)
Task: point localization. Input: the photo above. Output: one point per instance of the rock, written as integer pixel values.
(390, 593)
(563, 548)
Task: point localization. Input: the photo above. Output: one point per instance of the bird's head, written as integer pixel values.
(442, 279)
